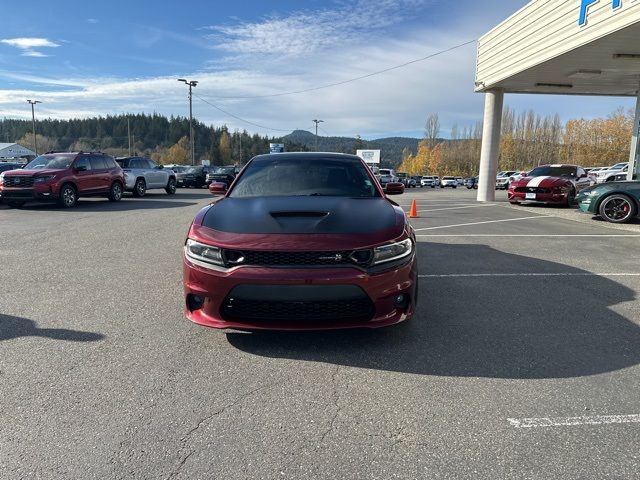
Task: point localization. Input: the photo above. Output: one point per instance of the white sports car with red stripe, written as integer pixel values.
(558, 184)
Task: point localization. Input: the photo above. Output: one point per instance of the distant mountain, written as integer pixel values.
(391, 147)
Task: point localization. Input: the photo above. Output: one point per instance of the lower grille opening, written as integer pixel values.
(360, 309)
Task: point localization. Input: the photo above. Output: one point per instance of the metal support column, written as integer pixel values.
(634, 157)
(491, 132)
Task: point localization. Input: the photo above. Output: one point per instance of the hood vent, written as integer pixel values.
(299, 214)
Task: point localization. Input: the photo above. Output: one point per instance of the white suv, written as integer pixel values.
(602, 175)
(449, 182)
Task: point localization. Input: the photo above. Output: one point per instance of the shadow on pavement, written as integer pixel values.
(495, 327)
(100, 205)
(14, 327)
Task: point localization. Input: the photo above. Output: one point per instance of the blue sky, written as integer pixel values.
(90, 58)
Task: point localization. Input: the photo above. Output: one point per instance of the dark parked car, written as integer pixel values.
(4, 166)
(471, 183)
(616, 202)
(193, 177)
(301, 241)
(222, 175)
(63, 177)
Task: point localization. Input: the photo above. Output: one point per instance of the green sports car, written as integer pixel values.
(616, 202)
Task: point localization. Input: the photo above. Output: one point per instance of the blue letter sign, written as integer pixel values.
(584, 9)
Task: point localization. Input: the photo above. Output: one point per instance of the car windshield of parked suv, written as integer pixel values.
(50, 161)
(549, 171)
(224, 170)
(272, 177)
(448, 178)
(194, 170)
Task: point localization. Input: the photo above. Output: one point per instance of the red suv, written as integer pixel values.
(63, 177)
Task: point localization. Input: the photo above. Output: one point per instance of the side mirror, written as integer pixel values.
(80, 168)
(160, 167)
(218, 188)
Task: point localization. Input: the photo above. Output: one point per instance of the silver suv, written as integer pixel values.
(142, 174)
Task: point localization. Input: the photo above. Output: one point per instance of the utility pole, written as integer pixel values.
(33, 123)
(129, 135)
(317, 122)
(191, 84)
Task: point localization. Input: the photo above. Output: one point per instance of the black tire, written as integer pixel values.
(15, 203)
(68, 196)
(115, 192)
(618, 208)
(571, 198)
(140, 188)
(455, 186)
(171, 187)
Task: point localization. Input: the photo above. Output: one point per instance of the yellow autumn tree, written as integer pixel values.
(178, 153)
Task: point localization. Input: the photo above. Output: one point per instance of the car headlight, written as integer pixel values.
(394, 251)
(1, 178)
(203, 253)
(43, 179)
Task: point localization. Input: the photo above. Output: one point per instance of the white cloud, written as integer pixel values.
(28, 45)
(304, 33)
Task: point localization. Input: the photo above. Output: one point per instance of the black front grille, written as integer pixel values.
(305, 311)
(267, 258)
(18, 181)
(532, 190)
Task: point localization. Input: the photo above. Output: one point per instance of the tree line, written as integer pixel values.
(528, 139)
(163, 139)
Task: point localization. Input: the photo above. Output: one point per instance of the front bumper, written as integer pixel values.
(551, 198)
(185, 182)
(39, 193)
(322, 293)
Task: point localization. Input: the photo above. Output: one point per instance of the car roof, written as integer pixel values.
(558, 165)
(308, 156)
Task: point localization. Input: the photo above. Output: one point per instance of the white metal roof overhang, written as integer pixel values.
(544, 48)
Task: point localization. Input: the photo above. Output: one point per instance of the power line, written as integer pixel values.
(343, 82)
(242, 119)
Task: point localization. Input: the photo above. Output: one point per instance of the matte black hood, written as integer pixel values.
(301, 215)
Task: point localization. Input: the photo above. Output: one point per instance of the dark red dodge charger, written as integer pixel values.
(301, 241)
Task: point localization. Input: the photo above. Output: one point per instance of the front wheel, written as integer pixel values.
(617, 209)
(171, 186)
(115, 193)
(68, 196)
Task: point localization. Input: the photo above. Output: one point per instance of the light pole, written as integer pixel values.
(191, 83)
(33, 123)
(317, 122)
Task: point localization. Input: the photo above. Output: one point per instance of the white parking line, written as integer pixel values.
(498, 235)
(572, 421)
(529, 274)
(461, 207)
(482, 223)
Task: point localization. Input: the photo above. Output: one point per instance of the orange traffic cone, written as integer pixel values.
(413, 213)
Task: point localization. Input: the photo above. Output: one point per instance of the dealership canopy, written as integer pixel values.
(11, 151)
(573, 47)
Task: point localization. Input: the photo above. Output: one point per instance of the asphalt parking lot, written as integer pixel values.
(522, 360)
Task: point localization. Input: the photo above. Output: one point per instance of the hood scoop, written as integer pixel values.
(298, 214)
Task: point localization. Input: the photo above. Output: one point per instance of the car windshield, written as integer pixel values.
(50, 161)
(178, 169)
(193, 170)
(318, 176)
(448, 178)
(224, 170)
(550, 171)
